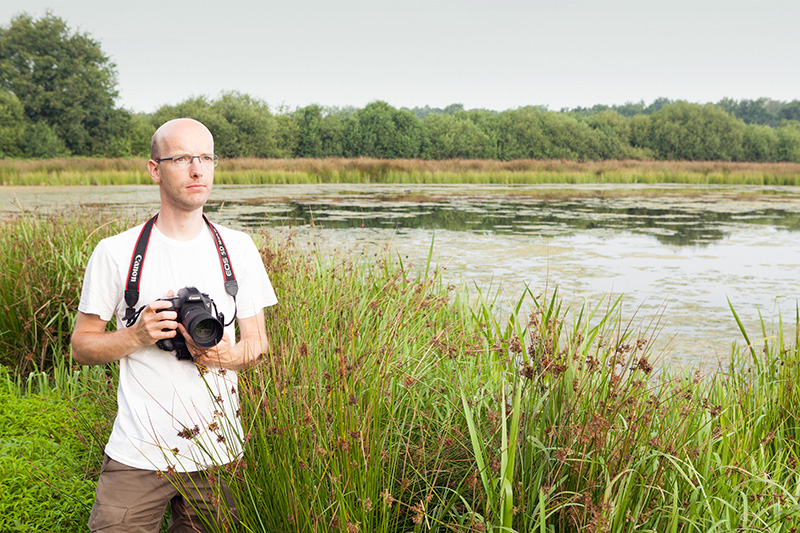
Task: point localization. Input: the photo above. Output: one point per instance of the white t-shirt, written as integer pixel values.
(169, 415)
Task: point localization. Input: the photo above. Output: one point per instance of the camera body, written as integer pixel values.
(194, 310)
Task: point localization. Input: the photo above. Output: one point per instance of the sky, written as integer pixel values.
(491, 54)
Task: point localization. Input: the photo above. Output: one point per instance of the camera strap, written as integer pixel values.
(137, 263)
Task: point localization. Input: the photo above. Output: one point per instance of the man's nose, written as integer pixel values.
(196, 166)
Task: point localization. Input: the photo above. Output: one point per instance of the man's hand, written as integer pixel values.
(155, 323)
(93, 345)
(252, 344)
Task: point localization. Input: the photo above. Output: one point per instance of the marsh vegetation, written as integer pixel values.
(389, 402)
(259, 171)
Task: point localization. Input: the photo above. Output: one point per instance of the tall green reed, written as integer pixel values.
(607, 446)
(44, 258)
(389, 403)
(354, 416)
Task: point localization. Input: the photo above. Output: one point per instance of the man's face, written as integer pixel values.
(187, 188)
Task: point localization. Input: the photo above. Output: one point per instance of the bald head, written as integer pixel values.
(175, 129)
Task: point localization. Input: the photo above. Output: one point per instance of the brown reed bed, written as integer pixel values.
(366, 164)
(22, 172)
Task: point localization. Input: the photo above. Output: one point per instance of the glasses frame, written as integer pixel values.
(191, 159)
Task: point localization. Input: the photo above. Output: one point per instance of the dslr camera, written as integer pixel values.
(194, 310)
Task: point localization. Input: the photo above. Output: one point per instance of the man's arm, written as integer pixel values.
(93, 345)
(252, 344)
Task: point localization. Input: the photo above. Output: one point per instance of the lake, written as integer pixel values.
(674, 254)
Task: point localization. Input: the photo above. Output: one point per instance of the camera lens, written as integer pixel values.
(205, 330)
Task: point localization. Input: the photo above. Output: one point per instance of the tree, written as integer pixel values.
(519, 134)
(12, 124)
(40, 141)
(657, 104)
(750, 111)
(453, 136)
(760, 143)
(612, 132)
(253, 125)
(320, 132)
(287, 135)
(790, 111)
(788, 133)
(695, 132)
(380, 130)
(63, 80)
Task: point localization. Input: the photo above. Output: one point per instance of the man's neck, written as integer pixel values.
(180, 226)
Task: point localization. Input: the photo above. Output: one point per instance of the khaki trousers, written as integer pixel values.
(130, 500)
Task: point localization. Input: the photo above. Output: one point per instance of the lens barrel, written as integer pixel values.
(203, 327)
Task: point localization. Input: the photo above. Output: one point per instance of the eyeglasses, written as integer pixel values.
(181, 161)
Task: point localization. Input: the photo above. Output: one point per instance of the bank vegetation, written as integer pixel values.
(391, 401)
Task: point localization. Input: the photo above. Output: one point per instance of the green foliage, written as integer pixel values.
(320, 132)
(760, 143)
(453, 137)
(379, 130)
(612, 135)
(51, 447)
(135, 140)
(531, 133)
(788, 133)
(693, 132)
(287, 132)
(764, 111)
(39, 141)
(519, 134)
(63, 80)
(12, 124)
(790, 111)
(423, 112)
(253, 128)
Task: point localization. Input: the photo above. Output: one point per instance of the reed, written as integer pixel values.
(388, 403)
(43, 263)
(250, 171)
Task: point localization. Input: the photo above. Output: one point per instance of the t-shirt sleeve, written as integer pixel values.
(102, 287)
(255, 288)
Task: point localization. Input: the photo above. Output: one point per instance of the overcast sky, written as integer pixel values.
(494, 54)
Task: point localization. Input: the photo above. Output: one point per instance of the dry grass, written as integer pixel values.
(371, 166)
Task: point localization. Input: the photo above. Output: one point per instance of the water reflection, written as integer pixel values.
(678, 222)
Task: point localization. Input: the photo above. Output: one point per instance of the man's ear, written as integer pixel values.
(155, 173)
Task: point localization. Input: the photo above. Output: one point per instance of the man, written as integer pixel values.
(176, 417)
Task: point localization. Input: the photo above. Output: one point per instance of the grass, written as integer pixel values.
(389, 402)
(53, 427)
(75, 171)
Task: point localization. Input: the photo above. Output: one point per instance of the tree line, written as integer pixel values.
(58, 93)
